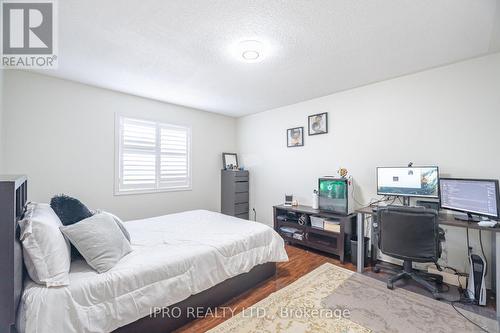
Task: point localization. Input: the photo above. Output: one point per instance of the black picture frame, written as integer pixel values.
(321, 131)
(225, 160)
(289, 131)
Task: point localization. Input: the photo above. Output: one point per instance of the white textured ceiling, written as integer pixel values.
(179, 51)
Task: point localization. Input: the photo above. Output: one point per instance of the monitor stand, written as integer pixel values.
(467, 217)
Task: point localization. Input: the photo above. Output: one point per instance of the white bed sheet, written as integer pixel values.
(174, 256)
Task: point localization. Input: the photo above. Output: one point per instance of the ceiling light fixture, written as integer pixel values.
(250, 55)
(250, 51)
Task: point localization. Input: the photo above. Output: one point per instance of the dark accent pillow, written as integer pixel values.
(69, 210)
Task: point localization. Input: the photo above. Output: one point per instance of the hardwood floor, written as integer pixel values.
(301, 262)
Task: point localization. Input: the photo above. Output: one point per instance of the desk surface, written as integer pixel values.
(444, 219)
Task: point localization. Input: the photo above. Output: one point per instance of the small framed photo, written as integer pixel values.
(318, 123)
(230, 161)
(295, 137)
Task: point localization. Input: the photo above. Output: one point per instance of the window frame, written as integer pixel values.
(118, 146)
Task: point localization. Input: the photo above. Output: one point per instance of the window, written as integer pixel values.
(151, 157)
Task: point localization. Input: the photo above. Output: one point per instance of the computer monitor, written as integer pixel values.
(408, 181)
(335, 195)
(471, 196)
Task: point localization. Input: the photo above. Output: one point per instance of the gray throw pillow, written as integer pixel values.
(99, 240)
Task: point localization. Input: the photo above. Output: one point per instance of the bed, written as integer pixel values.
(191, 259)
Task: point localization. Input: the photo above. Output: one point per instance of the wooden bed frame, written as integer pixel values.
(13, 196)
(13, 199)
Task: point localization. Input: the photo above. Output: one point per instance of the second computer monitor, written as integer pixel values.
(408, 181)
(471, 196)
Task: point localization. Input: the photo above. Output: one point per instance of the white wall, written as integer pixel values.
(61, 134)
(449, 116)
(495, 35)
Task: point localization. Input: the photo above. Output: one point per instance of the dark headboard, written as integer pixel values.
(13, 196)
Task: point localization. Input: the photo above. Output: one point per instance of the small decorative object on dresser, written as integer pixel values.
(295, 137)
(318, 123)
(234, 193)
(342, 172)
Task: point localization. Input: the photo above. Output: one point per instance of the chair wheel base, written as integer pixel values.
(390, 285)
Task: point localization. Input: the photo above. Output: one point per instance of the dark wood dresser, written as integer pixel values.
(234, 193)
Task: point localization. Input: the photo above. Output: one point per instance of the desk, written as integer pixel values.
(443, 219)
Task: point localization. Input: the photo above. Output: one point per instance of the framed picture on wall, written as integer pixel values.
(295, 137)
(318, 123)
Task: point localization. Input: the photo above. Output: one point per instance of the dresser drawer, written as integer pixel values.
(241, 197)
(243, 216)
(233, 177)
(241, 187)
(240, 176)
(241, 208)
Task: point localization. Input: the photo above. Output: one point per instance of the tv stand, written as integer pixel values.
(319, 239)
(467, 217)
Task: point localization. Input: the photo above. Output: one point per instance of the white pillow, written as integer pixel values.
(46, 252)
(118, 221)
(99, 240)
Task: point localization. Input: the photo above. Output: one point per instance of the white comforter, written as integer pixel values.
(174, 256)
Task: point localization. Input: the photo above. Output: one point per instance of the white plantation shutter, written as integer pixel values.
(152, 156)
(174, 156)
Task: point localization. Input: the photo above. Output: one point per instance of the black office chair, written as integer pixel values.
(413, 235)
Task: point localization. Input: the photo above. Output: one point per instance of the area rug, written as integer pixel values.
(333, 299)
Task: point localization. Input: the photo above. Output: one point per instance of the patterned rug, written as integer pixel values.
(333, 299)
